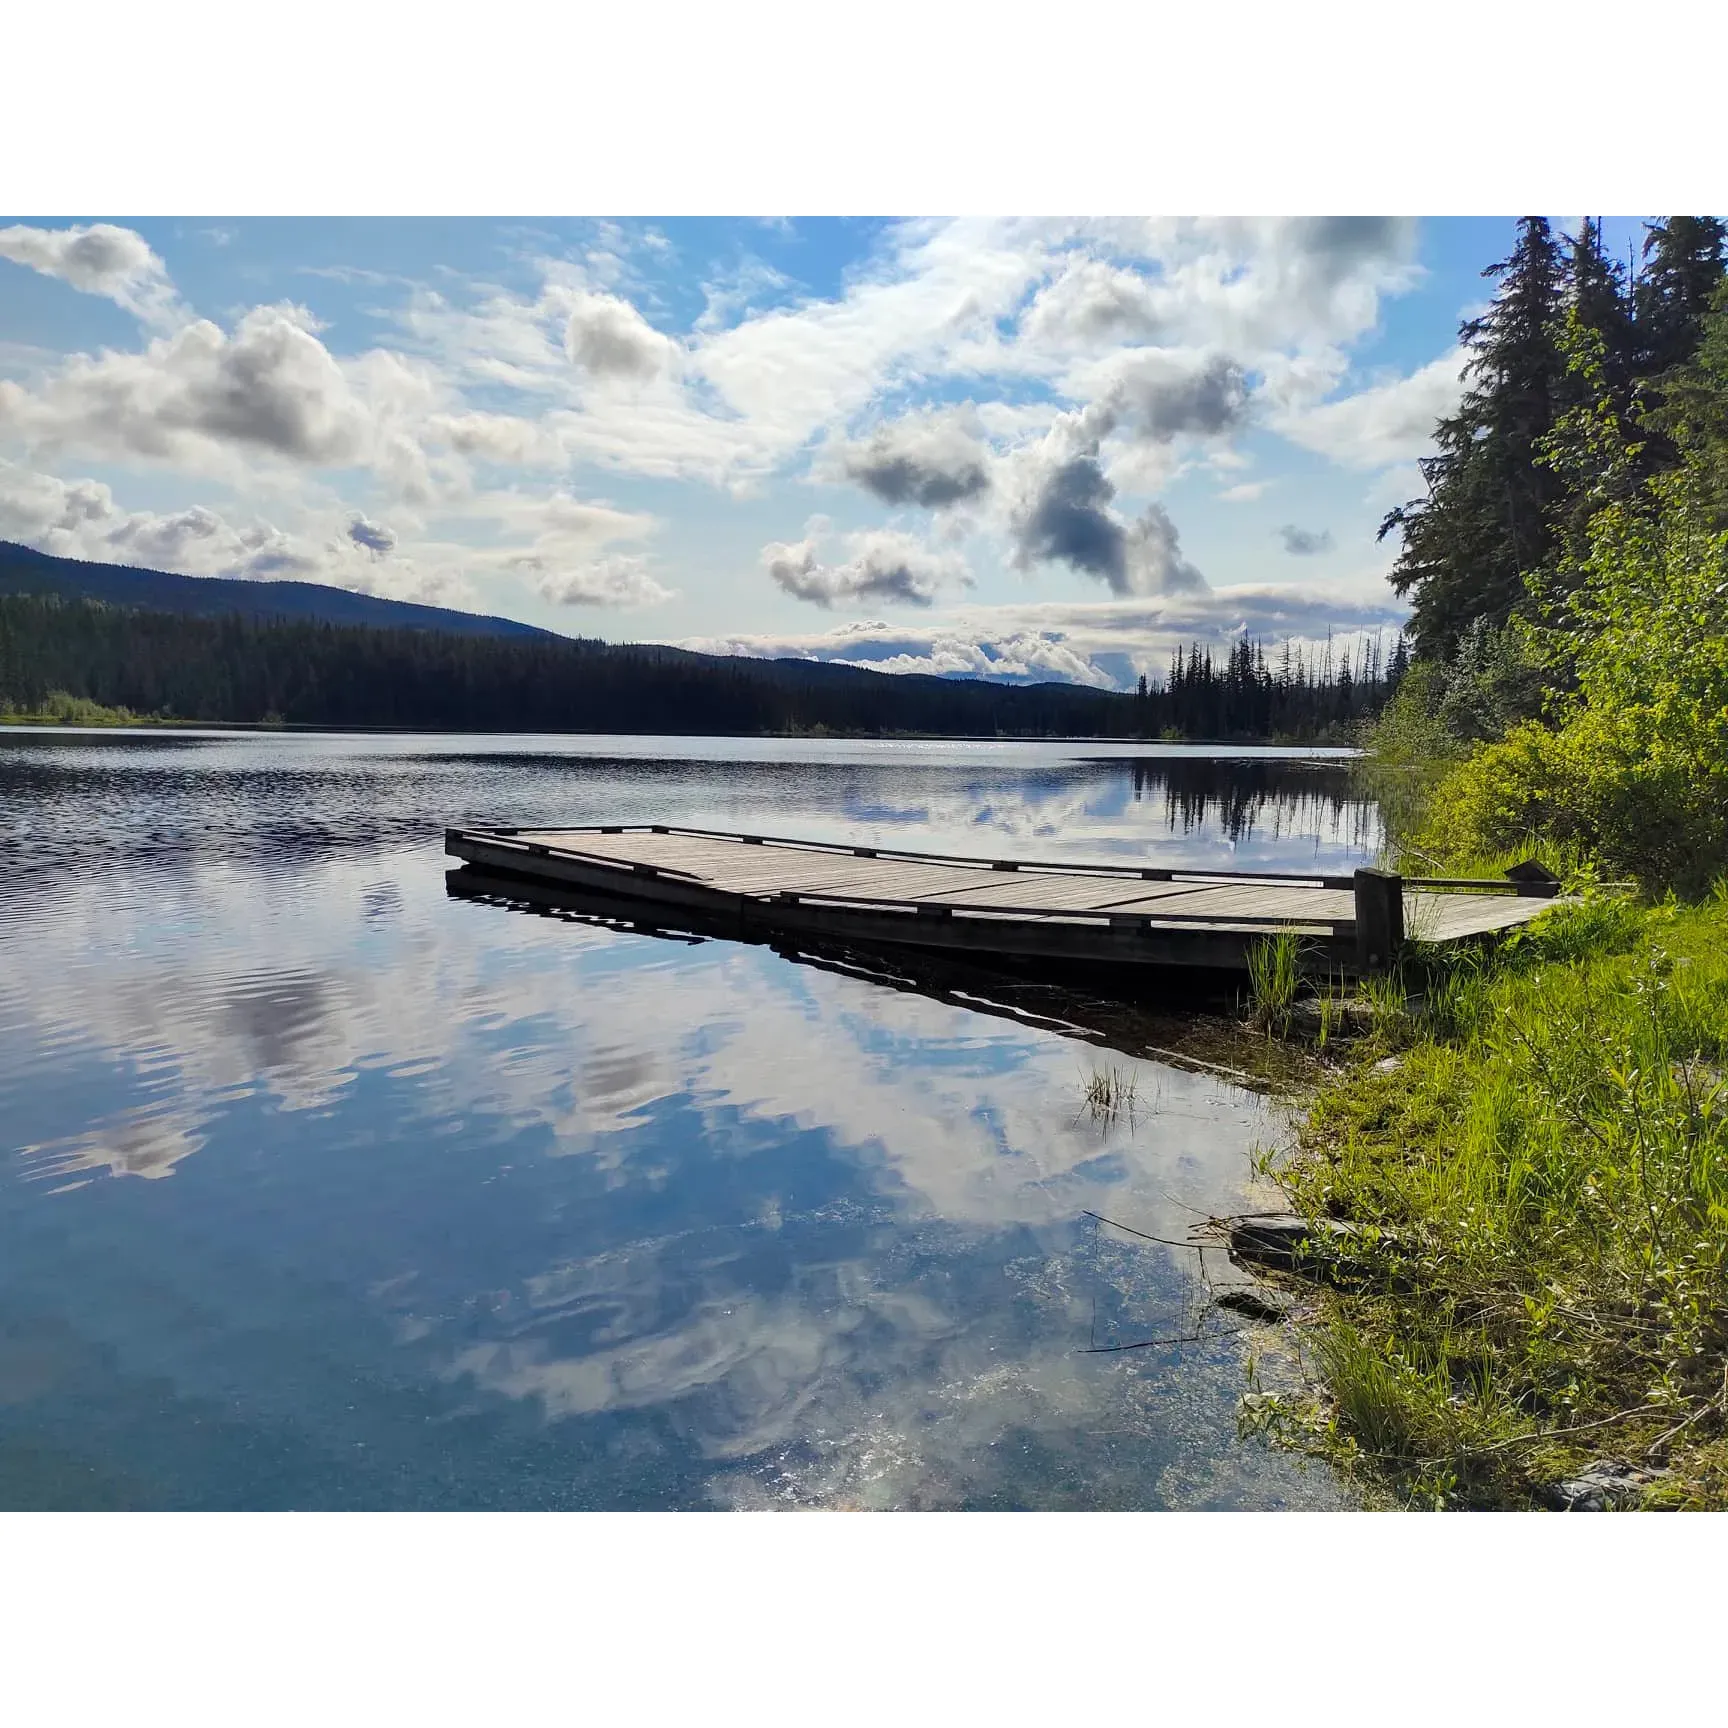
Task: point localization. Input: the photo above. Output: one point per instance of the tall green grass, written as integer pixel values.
(1273, 977)
(1549, 1158)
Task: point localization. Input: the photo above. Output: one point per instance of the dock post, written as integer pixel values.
(1379, 919)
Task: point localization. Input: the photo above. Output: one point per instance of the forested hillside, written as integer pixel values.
(24, 570)
(331, 675)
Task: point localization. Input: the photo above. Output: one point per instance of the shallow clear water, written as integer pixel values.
(326, 1189)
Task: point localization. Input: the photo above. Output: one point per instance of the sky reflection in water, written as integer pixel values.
(330, 1190)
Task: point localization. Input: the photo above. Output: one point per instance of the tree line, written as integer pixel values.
(1522, 465)
(320, 674)
(1568, 570)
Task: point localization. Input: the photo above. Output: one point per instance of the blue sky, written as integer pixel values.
(1008, 447)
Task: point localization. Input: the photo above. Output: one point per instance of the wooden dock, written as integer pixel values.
(1133, 914)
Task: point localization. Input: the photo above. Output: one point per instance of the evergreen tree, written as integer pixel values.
(1598, 298)
(1691, 413)
(1683, 264)
(1485, 529)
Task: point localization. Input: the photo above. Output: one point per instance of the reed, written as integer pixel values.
(1273, 976)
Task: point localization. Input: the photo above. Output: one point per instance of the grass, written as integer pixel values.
(1110, 1093)
(1272, 980)
(1547, 1162)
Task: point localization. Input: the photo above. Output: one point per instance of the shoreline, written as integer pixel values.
(33, 722)
(1516, 1181)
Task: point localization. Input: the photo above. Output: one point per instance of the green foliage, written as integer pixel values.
(1636, 774)
(1546, 1163)
(1599, 725)
(58, 708)
(1580, 389)
(1547, 1169)
(1273, 974)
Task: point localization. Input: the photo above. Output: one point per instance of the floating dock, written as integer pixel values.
(1118, 914)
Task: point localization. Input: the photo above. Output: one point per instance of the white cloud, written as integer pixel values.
(1385, 424)
(81, 519)
(609, 338)
(882, 565)
(1100, 359)
(932, 458)
(1089, 301)
(203, 399)
(116, 263)
(1103, 643)
(621, 580)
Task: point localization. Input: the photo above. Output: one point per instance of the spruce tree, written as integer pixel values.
(1683, 263)
(1596, 290)
(1599, 394)
(1485, 527)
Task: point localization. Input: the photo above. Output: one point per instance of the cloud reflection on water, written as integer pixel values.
(777, 1234)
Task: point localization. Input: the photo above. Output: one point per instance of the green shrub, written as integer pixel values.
(1636, 771)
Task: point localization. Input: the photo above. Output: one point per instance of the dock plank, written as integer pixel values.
(1079, 893)
(1109, 912)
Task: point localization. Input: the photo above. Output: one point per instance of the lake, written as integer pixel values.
(325, 1188)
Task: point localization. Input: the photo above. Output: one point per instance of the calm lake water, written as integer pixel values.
(324, 1188)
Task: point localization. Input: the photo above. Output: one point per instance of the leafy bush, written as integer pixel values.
(1637, 770)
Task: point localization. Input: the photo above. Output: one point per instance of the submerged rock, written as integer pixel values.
(1244, 1300)
(1282, 1239)
(1607, 1483)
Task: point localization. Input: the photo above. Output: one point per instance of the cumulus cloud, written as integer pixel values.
(1160, 396)
(116, 263)
(371, 536)
(933, 459)
(608, 338)
(494, 437)
(1068, 520)
(621, 580)
(1385, 424)
(1066, 516)
(946, 651)
(1155, 561)
(1305, 542)
(1062, 302)
(1092, 299)
(271, 385)
(568, 559)
(883, 565)
(82, 519)
(1099, 348)
(1103, 643)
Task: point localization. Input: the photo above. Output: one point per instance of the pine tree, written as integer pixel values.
(1471, 546)
(1691, 413)
(1683, 264)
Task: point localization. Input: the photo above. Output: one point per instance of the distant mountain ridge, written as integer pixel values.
(24, 570)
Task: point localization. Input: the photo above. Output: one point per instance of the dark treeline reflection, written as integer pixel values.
(287, 801)
(1239, 798)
